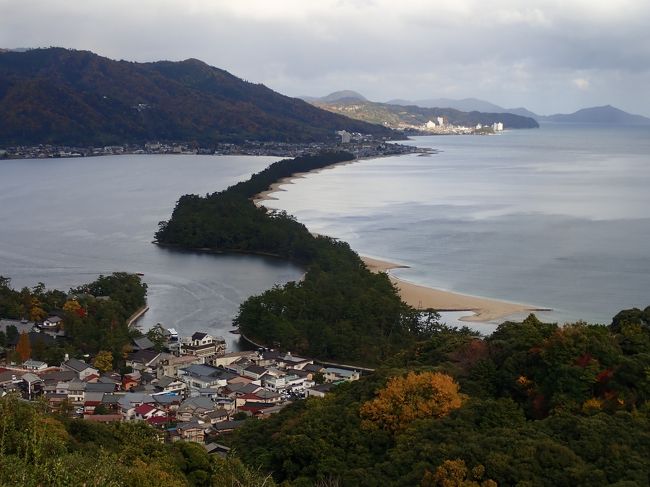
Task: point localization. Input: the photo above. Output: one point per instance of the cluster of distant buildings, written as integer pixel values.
(193, 390)
(440, 126)
(252, 148)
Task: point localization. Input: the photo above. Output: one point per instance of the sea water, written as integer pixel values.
(554, 217)
(63, 222)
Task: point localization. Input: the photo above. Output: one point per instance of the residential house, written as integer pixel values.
(169, 366)
(201, 376)
(34, 365)
(76, 391)
(194, 406)
(148, 411)
(82, 369)
(33, 384)
(216, 416)
(203, 346)
(255, 372)
(319, 390)
(335, 374)
(169, 385)
(145, 360)
(190, 431)
(142, 343)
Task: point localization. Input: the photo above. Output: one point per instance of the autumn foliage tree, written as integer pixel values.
(104, 361)
(23, 347)
(454, 473)
(414, 396)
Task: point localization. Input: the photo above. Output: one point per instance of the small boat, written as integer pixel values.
(139, 274)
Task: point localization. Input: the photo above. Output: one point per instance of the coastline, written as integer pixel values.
(259, 198)
(423, 297)
(415, 295)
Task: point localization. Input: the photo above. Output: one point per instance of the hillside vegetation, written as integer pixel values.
(535, 404)
(76, 97)
(395, 116)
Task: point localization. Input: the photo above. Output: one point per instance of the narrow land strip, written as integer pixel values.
(422, 297)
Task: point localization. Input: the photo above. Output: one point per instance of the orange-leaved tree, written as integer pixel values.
(414, 396)
(24, 347)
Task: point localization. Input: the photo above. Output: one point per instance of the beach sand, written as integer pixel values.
(421, 297)
(275, 187)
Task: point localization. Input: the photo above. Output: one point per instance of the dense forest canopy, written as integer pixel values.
(537, 404)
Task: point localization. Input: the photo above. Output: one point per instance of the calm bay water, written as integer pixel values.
(557, 217)
(65, 221)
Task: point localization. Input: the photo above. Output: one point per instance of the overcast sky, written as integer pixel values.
(549, 56)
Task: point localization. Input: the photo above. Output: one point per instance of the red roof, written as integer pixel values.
(91, 378)
(144, 409)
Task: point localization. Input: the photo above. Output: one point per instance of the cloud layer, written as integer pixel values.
(550, 56)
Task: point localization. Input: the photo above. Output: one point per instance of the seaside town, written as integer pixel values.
(361, 145)
(187, 387)
(441, 127)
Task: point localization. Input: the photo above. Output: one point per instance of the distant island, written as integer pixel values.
(69, 97)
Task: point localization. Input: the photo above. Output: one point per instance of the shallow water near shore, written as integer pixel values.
(65, 221)
(556, 217)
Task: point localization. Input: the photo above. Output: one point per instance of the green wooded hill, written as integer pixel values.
(73, 97)
(395, 115)
(537, 405)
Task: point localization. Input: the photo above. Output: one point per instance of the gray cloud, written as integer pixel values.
(550, 56)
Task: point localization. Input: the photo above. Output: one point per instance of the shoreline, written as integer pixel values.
(423, 297)
(416, 295)
(259, 198)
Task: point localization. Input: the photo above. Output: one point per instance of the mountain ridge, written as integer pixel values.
(58, 95)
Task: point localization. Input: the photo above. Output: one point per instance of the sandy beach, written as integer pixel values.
(421, 297)
(275, 187)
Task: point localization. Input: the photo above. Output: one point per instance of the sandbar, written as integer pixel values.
(422, 297)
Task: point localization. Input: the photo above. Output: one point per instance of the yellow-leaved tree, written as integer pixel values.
(104, 361)
(414, 396)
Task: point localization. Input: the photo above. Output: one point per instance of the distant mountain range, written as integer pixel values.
(596, 115)
(76, 97)
(355, 105)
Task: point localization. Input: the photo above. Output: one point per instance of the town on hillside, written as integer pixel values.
(188, 388)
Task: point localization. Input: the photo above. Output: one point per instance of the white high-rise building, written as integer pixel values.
(441, 121)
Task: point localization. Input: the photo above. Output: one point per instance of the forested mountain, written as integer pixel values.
(396, 116)
(72, 97)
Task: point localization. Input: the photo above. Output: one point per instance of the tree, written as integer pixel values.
(414, 396)
(12, 333)
(24, 347)
(454, 473)
(104, 361)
